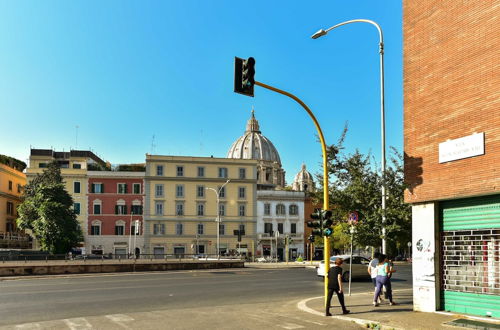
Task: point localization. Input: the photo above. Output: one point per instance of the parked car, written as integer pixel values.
(91, 257)
(359, 267)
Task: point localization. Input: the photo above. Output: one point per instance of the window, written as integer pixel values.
(222, 192)
(158, 190)
(76, 208)
(77, 166)
(95, 228)
(293, 228)
(241, 228)
(159, 208)
(222, 229)
(200, 209)
(180, 170)
(10, 208)
(280, 228)
(19, 188)
(241, 209)
(76, 187)
(179, 190)
(222, 209)
(137, 188)
(243, 173)
(200, 229)
(122, 188)
(10, 185)
(268, 228)
(201, 171)
(200, 191)
(159, 170)
(137, 209)
(293, 209)
(280, 209)
(120, 227)
(179, 209)
(121, 209)
(97, 188)
(97, 208)
(42, 165)
(222, 172)
(178, 229)
(135, 230)
(241, 192)
(159, 229)
(267, 209)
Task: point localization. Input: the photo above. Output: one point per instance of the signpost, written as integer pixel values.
(353, 220)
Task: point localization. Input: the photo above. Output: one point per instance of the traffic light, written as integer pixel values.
(244, 72)
(327, 223)
(317, 223)
(311, 238)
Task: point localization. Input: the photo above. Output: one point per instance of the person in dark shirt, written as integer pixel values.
(335, 285)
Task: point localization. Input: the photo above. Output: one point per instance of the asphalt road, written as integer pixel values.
(54, 298)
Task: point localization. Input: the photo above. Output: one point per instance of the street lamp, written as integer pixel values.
(382, 106)
(217, 218)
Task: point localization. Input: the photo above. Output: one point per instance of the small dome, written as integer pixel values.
(254, 145)
(303, 181)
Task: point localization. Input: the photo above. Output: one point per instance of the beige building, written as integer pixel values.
(181, 205)
(74, 166)
(12, 181)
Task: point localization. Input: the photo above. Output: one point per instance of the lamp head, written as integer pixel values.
(318, 34)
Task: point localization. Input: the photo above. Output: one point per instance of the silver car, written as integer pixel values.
(359, 267)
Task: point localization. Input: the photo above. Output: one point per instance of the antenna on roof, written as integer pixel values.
(153, 145)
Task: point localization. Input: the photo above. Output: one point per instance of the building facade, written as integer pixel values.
(181, 205)
(12, 181)
(74, 166)
(280, 214)
(452, 152)
(115, 208)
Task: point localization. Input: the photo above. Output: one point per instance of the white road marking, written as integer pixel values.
(28, 326)
(290, 326)
(78, 323)
(120, 318)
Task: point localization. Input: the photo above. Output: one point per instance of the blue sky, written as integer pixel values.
(123, 71)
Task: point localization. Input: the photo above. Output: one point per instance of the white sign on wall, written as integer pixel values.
(464, 147)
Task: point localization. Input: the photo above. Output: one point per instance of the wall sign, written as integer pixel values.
(464, 147)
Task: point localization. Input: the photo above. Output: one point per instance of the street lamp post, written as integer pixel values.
(382, 107)
(217, 218)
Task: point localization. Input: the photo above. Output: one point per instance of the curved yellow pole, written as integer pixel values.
(326, 249)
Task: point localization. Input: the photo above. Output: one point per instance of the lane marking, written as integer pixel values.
(29, 326)
(120, 319)
(78, 323)
(290, 326)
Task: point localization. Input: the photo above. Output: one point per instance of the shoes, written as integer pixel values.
(346, 311)
(328, 314)
(375, 304)
(392, 303)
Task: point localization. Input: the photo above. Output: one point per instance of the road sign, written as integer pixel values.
(353, 217)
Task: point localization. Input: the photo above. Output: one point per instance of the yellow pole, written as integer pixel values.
(326, 249)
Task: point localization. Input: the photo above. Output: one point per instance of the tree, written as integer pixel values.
(47, 210)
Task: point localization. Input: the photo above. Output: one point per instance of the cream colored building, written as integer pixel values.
(181, 207)
(74, 166)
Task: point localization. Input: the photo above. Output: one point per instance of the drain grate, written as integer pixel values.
(471, 324)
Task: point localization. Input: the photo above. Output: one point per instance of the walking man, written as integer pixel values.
(335, 285)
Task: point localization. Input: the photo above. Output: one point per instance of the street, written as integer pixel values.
(249, 298)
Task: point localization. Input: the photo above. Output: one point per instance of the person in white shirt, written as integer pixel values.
(372, 270)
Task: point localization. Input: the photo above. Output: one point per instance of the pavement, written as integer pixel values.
(400, 316)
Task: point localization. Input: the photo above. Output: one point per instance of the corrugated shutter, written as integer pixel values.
(477, 213)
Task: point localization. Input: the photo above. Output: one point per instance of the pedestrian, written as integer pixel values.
(335, 285)
(383, 271)
(372, 270)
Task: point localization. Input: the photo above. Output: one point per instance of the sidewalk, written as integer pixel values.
(291, 264)
(400, 316)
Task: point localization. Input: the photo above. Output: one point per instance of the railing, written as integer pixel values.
(14, 236)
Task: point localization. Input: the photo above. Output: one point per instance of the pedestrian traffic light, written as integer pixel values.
(244, 72)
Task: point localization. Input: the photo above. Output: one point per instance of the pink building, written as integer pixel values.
(115, 212)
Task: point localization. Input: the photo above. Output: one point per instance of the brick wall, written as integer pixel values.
(451, 90)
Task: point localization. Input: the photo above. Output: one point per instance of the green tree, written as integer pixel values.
(47, 210)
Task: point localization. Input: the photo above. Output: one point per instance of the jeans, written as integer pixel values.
(383, 281)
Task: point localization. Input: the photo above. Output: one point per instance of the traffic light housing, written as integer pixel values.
(327, 223)
(316, 223)
(244, 72)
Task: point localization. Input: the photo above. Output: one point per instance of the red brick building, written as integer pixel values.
(115, 210)
(452, 152)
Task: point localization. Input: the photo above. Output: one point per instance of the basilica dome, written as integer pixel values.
(303, 181)
(253, 145)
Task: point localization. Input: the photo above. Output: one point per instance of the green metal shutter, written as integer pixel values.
(477, 213)
(470, 246)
